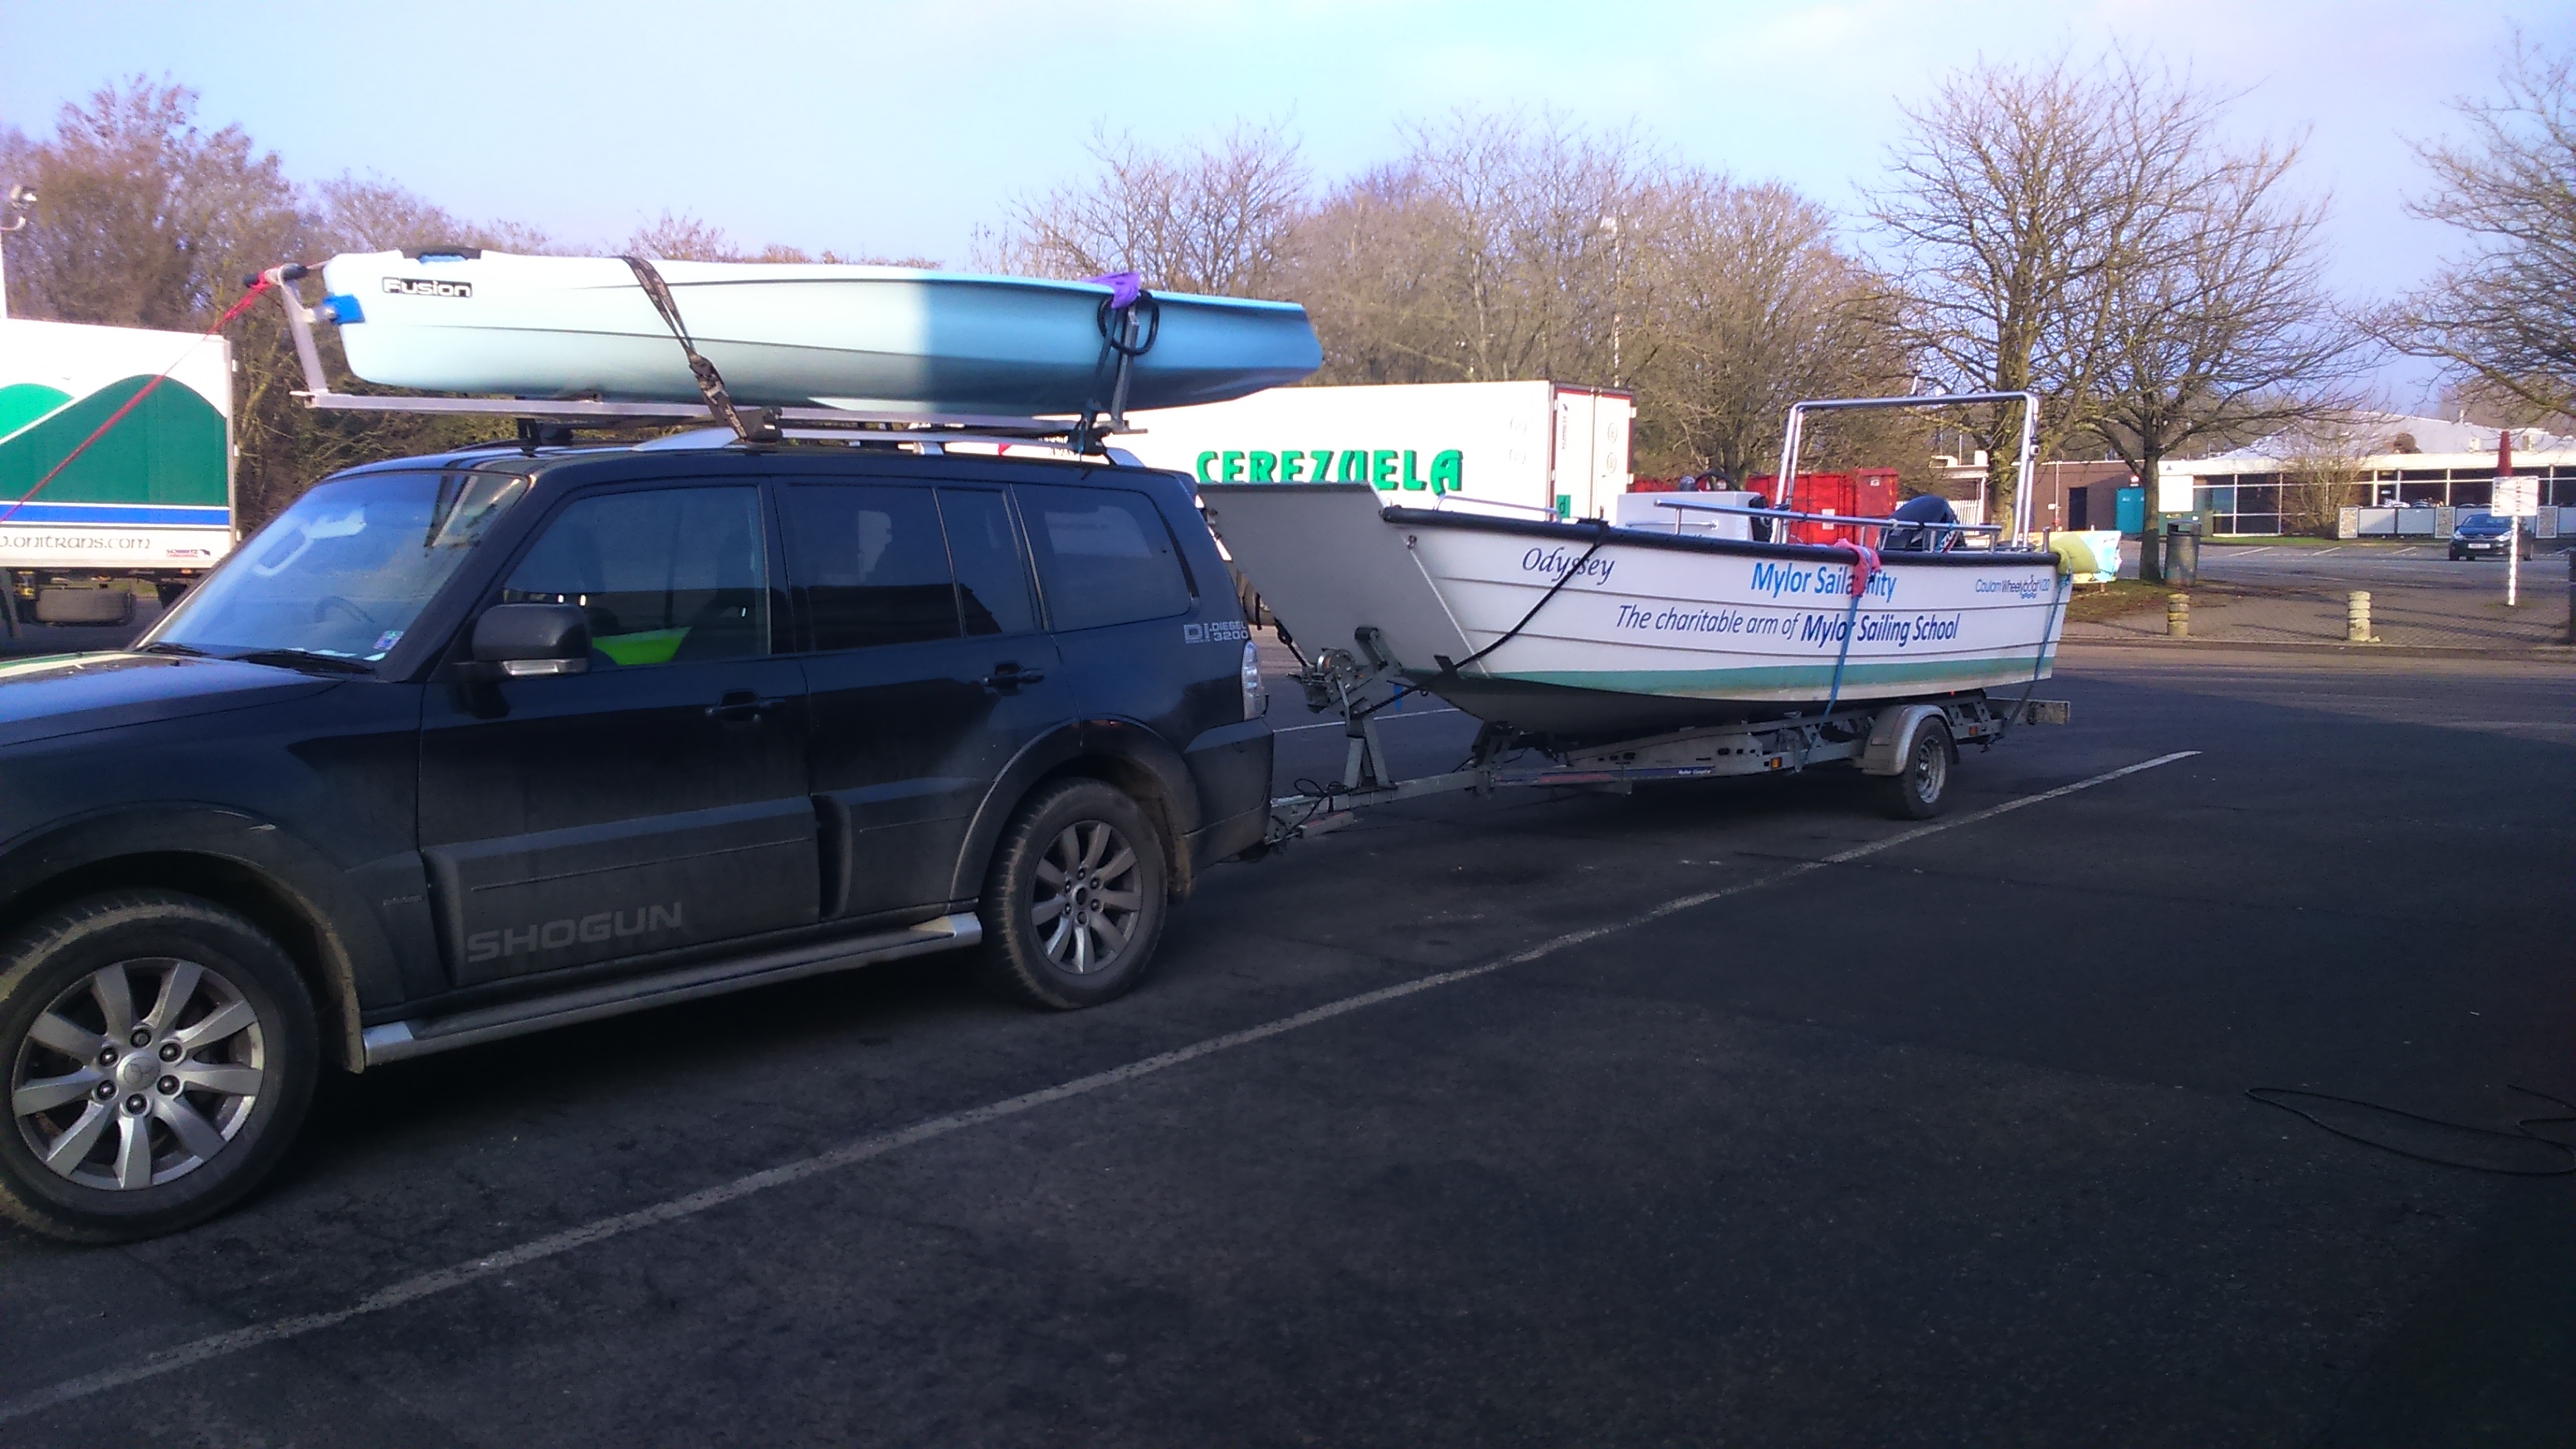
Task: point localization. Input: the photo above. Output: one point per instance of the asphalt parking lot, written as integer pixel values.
(1716, 1114)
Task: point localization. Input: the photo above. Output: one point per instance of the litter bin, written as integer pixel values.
(2182, 549)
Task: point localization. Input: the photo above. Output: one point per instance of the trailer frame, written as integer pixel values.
(1880, 737)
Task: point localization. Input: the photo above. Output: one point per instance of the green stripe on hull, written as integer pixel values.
(1927, 676)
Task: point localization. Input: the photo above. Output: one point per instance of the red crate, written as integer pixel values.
(1862, 492)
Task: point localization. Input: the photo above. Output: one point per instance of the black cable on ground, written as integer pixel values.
(2521, 1129)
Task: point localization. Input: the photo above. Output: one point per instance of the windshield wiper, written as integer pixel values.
(159, 647)
(306, 659)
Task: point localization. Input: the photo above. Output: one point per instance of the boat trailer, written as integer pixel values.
(1911, 743)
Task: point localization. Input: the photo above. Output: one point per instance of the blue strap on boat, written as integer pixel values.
(1851, 626)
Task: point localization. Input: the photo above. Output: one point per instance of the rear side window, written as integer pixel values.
(666, 576)
(992, 573)
(1104, 556)
(870, 564)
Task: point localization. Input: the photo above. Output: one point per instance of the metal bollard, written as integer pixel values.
(2178, 616)
(2356, 618)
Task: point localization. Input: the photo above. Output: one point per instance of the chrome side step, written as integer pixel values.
(397, 1040)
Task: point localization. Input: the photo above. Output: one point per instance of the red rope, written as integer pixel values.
(226, 320)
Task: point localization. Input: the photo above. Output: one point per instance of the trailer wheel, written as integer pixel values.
(1922, 789)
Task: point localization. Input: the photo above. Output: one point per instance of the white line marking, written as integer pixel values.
(1334, 724)
(2250, 552)
(411, 1290)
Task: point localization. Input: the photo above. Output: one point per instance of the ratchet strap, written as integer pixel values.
(752, 425)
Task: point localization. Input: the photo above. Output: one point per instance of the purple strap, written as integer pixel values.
(1124, 287)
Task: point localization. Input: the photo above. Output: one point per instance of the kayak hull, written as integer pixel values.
(1652, 632)
(876, 339)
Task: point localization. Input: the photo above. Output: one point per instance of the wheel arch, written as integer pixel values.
(1134, 759)
(102, 856)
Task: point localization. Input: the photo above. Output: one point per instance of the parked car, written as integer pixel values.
(466, 746)
(2483, 535)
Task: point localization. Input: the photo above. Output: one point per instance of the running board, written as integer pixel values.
(395, 1041)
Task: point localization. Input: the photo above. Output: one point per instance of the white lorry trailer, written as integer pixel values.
(145, 508)
(1539, 446)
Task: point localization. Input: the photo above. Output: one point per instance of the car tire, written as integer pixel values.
(1921, 790)
(1074, 903)
(161, 1052)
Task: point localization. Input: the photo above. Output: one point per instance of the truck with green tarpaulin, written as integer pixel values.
(94, 523)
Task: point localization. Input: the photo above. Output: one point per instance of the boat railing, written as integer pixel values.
(1853, 519)
(2027, 459)
(836, 424)
(1441, 503)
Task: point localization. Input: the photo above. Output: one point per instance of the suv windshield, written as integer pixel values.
(344, 571)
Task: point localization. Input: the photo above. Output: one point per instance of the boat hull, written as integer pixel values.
(876, 339)
(1651, 631)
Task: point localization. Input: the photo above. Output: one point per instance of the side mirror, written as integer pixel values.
(533, 639)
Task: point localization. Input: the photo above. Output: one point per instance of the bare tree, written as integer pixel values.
(1211, 219)
(372, 214)
(146, 219)
(2504, 313)
(2016, 204)
(2219, 324)
(2322, 476)
(687, 237)
(1754, 307)
(1501, 247)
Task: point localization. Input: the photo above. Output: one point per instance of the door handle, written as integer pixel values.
(1008, 676)
(741, 706)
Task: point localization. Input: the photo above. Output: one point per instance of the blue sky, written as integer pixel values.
(895, 129)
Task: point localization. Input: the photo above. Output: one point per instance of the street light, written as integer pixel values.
(22, 200)
(1610, 229)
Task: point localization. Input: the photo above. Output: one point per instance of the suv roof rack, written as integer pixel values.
(807, 423)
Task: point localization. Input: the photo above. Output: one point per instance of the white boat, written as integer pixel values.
(890, 340)
(1588, 629)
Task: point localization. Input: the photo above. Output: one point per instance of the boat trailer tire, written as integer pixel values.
(1920, 789)
(1075, 900)
(160, 1051)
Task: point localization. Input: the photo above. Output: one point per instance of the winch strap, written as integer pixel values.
(711, 383)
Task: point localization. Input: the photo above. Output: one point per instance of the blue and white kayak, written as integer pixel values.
(873, 339)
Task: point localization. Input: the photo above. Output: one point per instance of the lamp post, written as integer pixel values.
(1618, 276)
(13, 217)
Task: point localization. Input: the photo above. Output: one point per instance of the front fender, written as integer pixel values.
(205, 848)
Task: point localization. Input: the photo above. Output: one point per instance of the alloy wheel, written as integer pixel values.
(111, 1097)
(1088, 897)
(1931, 772)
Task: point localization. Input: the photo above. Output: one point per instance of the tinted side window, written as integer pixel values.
(870, 563)
(1104, 556)
(992, 573)
(670, 575)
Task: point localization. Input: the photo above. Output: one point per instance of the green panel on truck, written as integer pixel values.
(170, 449)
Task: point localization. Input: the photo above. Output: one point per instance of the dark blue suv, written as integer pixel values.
(461, 747)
